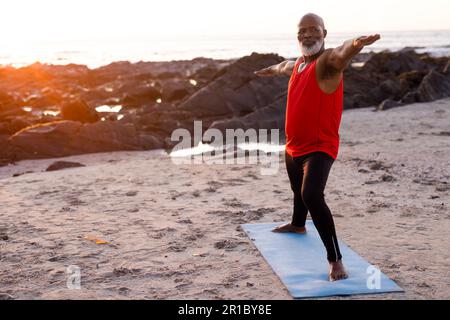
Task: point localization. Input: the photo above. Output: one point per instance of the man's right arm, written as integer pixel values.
(283, 68)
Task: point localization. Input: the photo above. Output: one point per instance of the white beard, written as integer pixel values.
(310, 51)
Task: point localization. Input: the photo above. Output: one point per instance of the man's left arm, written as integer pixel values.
(340, 57)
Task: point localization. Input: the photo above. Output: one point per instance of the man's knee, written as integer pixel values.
(312, 197)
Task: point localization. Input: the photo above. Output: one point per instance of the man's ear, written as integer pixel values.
(325, 32)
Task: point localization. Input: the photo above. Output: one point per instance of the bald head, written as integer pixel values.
(311, 19)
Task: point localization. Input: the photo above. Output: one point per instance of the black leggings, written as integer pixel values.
(308, 175)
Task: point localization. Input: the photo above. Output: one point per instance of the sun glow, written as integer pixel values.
(25, 21)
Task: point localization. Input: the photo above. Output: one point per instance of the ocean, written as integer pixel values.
(99, 52)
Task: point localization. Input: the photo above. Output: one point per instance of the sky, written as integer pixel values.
(56, 20)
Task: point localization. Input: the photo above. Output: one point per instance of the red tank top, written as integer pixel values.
(313, 117)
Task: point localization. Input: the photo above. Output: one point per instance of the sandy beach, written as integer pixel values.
(172, 231)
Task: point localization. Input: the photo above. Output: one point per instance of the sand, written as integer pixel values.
(172, 231)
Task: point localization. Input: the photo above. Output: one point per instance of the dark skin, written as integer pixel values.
(331, 63)
(330, 67)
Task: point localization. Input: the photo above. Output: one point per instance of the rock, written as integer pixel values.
(388, 104)
(410, 97)
(387, 89)
(225, 94)
(79, 111)
(97, 97)
(394, 63)
(10, 111)
(434, 86)
(59, 165)
(411, 79)
(205, 74)
(64, 138)
(173, 90)
(352, 101)
(136, 96)
(44, 99)
(269, 117)
(21, 173)
(236, 91)
(18, 123)
(357, 84)
(9, 104)
(4, 128)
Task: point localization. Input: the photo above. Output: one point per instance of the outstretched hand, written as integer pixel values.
(363, 41)
(266, 72)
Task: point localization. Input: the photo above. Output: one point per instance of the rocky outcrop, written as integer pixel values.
(433, 86)
(64, 138)
(50, 111)
(268, 117)
(235, 91)
(79, 111)
(59, 165)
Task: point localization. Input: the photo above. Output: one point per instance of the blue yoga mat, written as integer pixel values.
(300, 262)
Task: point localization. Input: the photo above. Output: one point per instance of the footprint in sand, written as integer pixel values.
(372, 182)
(124, 291)
(442, 133)
(194, 235)
(375, 207)
(387, 178)
(122, 271)
(161, 233)
(215, 184)
(411, 212)
(252, 215)
(443, 187)
(394, 266)
(185, 221)
(358, 215)
(73, 201)
(3, 234)
(378, 165)
(210, 190)
(234, 182)
(224, 213)
(252, 175)
(176, 247)
(228, 244)
(67, 209)
(352, 143)
(235, 203)
(175, 194)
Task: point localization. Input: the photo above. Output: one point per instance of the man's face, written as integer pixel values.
(310, 36)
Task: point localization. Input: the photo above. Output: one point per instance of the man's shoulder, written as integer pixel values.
(324, 61)
(325, 54)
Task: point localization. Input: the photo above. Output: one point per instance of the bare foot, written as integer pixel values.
(289, 228)
(337, 271)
